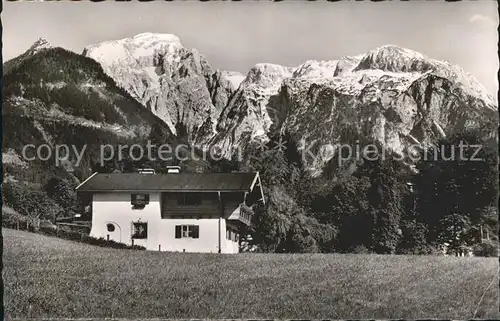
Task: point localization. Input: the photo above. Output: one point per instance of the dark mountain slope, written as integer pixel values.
(58, 97)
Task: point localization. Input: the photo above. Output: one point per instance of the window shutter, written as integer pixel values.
(196, 231)
(146, 198)
(134, 231)
(178, 231)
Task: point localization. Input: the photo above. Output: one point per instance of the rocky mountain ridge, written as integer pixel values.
(391, 95)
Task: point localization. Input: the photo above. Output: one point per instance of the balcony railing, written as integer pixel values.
(243, 214)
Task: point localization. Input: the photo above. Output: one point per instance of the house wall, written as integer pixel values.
(232, 242)
(115, 208)
(230, 246)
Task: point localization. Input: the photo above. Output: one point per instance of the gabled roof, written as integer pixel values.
(173, 182)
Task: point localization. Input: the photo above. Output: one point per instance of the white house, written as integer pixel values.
(180, 212)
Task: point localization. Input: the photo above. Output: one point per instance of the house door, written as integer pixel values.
(113, 232)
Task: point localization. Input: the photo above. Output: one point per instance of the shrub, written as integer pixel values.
(28, 200)
(62, 192)
(436, 250)
(105, 243)
(12, 219)
(77, 236)
(70, 235)
(49, 229)
(486, 248)
(360, 249)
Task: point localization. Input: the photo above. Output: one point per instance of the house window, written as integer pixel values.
(139, 200)
(110, 227)
(189, 199)
(187, 231)
(139, 230)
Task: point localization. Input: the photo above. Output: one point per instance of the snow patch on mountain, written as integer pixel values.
(316, 70)
(264, 80)
(111, 53)
(234, 77)
(396, 59)
(266, 75)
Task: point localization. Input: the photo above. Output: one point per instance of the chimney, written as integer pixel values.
(147, 171)
(173, 169)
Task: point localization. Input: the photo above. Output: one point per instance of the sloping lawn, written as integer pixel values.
(50, 277)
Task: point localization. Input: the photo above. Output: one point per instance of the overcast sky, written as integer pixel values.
(236, 36)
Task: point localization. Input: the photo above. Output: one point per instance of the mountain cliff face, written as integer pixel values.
(391, 95)
(177, 84)
(246, 116)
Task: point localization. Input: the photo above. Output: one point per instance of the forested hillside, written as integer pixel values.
(52, 96)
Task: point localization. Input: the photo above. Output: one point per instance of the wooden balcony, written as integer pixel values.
(242, 214)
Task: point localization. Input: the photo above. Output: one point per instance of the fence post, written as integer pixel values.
(17, 225)
(132, 242)
(159, 247)
(107, 237)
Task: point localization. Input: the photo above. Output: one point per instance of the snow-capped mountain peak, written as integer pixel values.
(391, 58)
(267, 74)
(176, 83)
(395, 59)
(396, 93)
(124, 51)
(390, 94)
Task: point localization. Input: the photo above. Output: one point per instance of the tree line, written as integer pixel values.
(379, 206)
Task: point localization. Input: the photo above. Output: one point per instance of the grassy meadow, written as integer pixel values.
(50, 277)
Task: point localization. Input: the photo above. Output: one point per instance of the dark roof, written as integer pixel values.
(169, 182)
